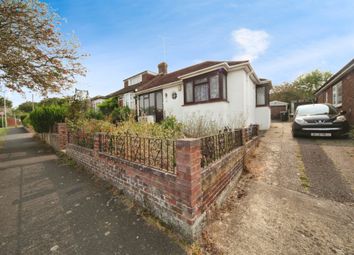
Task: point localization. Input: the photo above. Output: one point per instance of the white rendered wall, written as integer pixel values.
(239, 109)
(231, 113)
(263, 117)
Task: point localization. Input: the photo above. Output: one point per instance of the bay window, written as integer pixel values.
(205, 88)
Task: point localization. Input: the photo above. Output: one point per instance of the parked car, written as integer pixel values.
(322, 120)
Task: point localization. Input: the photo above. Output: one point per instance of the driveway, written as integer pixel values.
(297, 199)
(48, 207)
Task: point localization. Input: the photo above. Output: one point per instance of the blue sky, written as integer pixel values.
(283, 39)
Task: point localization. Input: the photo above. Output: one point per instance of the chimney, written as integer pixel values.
(162, 67)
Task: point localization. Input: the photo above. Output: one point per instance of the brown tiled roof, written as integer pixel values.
(171, 77)
(341, 72)
(123, 90)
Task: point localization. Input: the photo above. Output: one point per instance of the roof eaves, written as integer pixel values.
(334, 78)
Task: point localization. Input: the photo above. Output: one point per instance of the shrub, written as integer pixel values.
(43, 118)
(108, 105)
(93, 114)
(120, 114)
(172, 124)
(26, 121)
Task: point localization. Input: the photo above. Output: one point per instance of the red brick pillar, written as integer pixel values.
(96, 144)
(63, 135)
(189, 179)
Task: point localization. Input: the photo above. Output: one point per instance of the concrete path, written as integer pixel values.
(298, 200)
(47, 207)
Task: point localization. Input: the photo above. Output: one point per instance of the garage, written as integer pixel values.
(276, 108)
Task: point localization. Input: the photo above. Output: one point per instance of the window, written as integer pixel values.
(189, 92)
(206, 88)
(151, 104)
(135, 80)
(261, 96)
(326, 100)
(337, 94)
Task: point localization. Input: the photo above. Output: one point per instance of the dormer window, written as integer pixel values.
(135, 80)
(205, 88)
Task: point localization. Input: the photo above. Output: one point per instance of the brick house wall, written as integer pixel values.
(347, 96)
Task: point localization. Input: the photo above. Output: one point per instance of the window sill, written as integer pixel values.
(262, 105)
(206, 102)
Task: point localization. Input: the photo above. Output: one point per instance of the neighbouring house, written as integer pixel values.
(126, 95)
(228, 92)
(276, 107)
(339, 91)
(95, 101)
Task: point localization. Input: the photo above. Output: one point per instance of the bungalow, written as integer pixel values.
(126, 95)
(95, 101)
(222, 91)
(339, 91)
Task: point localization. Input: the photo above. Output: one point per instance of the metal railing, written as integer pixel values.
(82, 139)
(154, 152)
(216, 146)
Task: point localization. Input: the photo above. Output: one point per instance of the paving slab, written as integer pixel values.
(48, 207)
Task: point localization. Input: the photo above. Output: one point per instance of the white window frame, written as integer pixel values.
(337, 94)
(135, 80)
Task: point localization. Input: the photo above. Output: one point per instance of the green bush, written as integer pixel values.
(171, 123)
(92, 114)
(120, 114)
(43, 118)
(26, 121)
(108, 105)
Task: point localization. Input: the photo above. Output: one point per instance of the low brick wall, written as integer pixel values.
(50, 138)
(168, 196)
(219, 177)
(180, 198)
(57, 139)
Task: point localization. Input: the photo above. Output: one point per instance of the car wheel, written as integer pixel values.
(294, 134)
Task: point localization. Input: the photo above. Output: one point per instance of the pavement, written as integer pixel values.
(49, 207)
(297, 199)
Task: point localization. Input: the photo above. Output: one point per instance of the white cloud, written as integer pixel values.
(252, 43)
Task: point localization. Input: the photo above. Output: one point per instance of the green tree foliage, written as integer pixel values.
(310, 82)
(77, 109)
(286, 92)
(55, 101)
(44, 117)
(108, 105)
(120, 114)
(302, 88)
(92, 114)
(27, 106)
(33, 52)
(8, 103)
